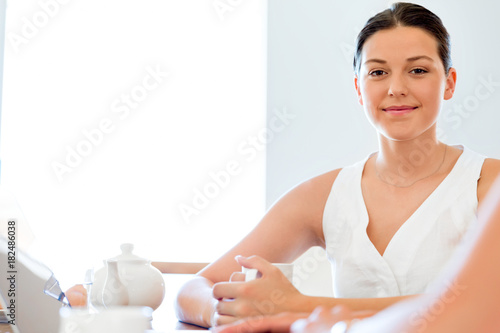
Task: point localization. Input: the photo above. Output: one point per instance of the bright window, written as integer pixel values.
(134, 121)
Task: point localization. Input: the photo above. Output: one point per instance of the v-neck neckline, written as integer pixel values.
(417, 211)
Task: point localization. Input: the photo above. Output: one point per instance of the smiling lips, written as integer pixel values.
(400, 110)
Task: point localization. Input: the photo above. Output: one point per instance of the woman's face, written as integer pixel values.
(402, 82)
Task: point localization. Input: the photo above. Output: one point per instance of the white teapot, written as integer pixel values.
(127, 280)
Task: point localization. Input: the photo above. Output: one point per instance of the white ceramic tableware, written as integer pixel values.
(143, 283)
(119, 319)
(252, 273)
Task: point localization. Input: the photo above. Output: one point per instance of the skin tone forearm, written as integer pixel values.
(321, 320)
(289, 228)
(355, 304)
(272, 293)
(195, 303)
(206, 304)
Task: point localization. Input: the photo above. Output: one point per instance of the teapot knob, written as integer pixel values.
(127, 248)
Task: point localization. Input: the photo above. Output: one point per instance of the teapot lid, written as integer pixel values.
(127, 254)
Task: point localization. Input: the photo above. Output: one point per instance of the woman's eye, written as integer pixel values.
(418, 71)
(377, 73)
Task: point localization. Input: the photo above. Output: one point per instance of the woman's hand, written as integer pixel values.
(322, 319)
(270, 294)
(270, 323)
(77, 296)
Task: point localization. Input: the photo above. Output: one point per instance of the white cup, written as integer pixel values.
(252, 273)
(74, 320)
(123, 319)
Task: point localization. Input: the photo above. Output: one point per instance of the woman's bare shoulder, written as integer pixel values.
(489, 172)
(309, 199)
(319, 186)
(310, 196)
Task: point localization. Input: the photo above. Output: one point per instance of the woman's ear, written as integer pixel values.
(358, 89)
(451, 82)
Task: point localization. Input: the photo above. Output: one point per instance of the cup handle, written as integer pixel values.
(250, 273)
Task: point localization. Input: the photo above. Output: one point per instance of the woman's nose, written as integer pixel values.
(397, 86)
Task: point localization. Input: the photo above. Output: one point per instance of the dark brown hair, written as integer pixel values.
(406, 15)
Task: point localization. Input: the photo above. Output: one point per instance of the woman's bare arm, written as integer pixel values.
(289, 228)
(489, 173)
(293, 225)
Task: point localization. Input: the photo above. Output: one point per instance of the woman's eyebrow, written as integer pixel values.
(419, 57)
(379, 61)
(411, 59)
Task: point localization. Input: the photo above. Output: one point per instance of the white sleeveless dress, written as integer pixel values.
(418, 251)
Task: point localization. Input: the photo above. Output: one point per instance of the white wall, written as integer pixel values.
(310, 49)
(3, 7)
(70, 65)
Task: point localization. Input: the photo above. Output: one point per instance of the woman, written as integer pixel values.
(465, 299)
(390, 222)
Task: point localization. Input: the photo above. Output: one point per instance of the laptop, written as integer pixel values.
(29, 293)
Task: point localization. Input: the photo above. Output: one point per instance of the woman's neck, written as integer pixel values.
(403, 163)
